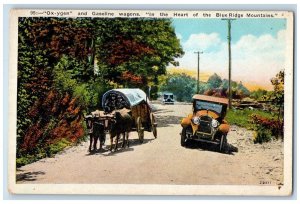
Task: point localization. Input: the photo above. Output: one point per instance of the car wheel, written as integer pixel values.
(223, 143)
(184, 136)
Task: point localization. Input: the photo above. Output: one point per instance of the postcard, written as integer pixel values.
(142, 102)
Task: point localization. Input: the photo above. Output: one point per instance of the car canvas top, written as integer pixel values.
(211, 99)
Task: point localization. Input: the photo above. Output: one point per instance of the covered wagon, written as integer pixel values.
(137, 101)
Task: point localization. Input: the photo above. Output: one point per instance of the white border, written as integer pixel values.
(126, 189)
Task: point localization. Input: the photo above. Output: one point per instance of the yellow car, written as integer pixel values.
(206, 123)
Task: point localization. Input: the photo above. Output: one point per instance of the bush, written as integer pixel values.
(41, 152)
(21, 161)
(57, 147)
(262, 135)
(266, 128)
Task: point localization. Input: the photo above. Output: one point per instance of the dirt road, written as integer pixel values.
(163, 160)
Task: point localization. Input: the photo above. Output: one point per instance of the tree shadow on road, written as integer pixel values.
(167, 120)
(158, 111)
(202, 146)
(28, 176)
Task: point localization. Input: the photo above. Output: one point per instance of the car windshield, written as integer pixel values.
(203, 105)
(168, 96)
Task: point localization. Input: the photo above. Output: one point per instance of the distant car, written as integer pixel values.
(168, 98)
(206, 123)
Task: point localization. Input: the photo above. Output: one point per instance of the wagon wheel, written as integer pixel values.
(140, 129)
(153, 125)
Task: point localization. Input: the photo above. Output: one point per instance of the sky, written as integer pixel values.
(257, 46)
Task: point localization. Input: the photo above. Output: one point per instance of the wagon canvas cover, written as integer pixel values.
(123, 98)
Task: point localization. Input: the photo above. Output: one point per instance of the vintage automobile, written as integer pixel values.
(168, 98)
(206, 123)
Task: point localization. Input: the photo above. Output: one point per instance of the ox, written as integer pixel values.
(122, 125)
(97, 124)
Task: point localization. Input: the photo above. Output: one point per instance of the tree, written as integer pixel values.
(277, 97)
(214, 81)
(259, 94)
(141, 47)
(181, 85)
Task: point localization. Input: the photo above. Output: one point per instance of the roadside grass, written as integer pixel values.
(43, 152)
(242, 117)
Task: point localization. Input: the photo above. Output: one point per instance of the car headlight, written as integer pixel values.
(214, 123)
(196, 120)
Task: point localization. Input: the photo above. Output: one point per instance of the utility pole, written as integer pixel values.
(229, 62)
(198, 68)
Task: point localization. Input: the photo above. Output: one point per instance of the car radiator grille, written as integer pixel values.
(205, 125)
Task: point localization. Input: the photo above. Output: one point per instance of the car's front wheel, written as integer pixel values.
(184, 135)
(223, 143)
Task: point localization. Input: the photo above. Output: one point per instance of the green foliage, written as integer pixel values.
(181, 85)
(67, 78)
(203, 87)
(242, 118)
(242, 90)
(259, 94)
(264, 123)
(23, 160)
(262, 135)
(41, 152)
(275, 125)
(278, 84)
(57, 147)
(63, 75)
(143, 47)
(214, 81)
(33, 82)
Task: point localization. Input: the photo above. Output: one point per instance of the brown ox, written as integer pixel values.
(122, 125)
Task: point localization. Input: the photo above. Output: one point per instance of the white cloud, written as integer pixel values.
(258, 58)
(202, 41)
(254, 58)
(179, 36)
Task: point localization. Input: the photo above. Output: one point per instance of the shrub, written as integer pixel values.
(41, 152)
(266, 128)
(57, 147)
(21, 161)
(262, 135)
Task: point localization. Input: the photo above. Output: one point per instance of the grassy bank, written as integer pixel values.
(265, 124)
(242, 117)
(48, 151)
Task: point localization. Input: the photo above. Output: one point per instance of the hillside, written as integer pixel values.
(205, 75)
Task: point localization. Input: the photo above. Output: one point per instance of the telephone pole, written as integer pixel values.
(198, 73)
(229, 62)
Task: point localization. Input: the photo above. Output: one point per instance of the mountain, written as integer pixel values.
(204, 76)
(192, 73)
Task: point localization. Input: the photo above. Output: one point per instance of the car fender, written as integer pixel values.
(224, 128)
(185, 122)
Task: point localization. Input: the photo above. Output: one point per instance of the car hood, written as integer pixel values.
(206, 112)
